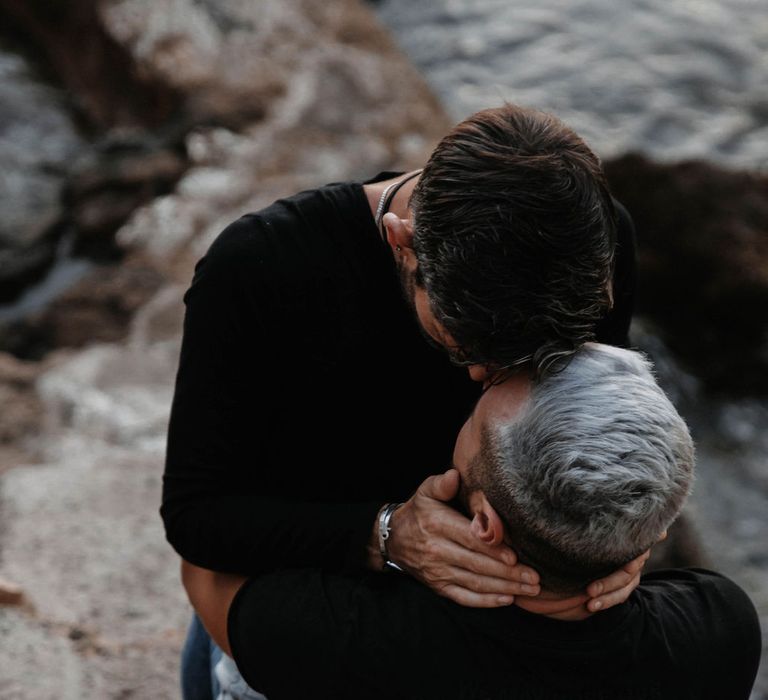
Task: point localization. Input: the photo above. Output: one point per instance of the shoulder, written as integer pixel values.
(699, 587)
(709, 622)
(292, 229)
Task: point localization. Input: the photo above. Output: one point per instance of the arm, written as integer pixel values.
(274, 624)
(211, 594)
(224, 506)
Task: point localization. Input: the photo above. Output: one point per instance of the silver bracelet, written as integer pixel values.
(385, 515)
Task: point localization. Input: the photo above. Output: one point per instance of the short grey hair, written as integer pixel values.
(594, 467)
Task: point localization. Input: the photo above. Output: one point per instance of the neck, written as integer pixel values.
(399, 204)
(556, 606)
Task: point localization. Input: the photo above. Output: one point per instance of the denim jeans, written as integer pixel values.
(207, 673)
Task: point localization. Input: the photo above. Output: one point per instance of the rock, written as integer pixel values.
(37, 143)
(327, 108)
(37, 662)
(120, 394)
(10, 593)
(297, 93)
(23, 414)
(98, 308)
(681, 548)
(96, 564)
(70, 42)
(703, 265)
(116, 177)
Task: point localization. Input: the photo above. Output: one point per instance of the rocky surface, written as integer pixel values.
(703, 265)
(37, 141)
(97, 308)
(22, 417)
(310, 85)
(675, 80)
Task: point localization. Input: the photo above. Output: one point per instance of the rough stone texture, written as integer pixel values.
(29, 647)
(107, 613)
(105, 605)
(703, 265)
(98, 308)
(37, 140)
(21, 417)
(332, 115)
(105, 186)
(69, 42)
(10, 593)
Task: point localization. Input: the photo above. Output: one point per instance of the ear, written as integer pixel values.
(486, 524)
(399, 234)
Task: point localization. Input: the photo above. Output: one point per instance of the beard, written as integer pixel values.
(408, 289)
(407, 286)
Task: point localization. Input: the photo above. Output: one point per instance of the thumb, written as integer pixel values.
(442, 487)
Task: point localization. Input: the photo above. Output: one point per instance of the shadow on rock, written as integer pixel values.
(703, 265)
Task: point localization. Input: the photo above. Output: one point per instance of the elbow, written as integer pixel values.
(183, 533)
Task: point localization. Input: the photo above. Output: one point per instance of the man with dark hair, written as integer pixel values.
(579, 472)
(511, 254)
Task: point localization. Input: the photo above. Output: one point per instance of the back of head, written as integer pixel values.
(514, 233)
(597, 464)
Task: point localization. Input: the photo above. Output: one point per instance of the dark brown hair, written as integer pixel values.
(514, 233)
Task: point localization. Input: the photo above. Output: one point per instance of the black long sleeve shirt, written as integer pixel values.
(306, 396)
(685, 634)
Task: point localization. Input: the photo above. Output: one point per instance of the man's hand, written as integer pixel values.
(433, 543)
(616, 588)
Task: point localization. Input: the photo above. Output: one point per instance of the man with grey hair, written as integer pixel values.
(589, 469)
(578, 471)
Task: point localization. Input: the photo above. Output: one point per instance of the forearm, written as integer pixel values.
(241, 533)
(211, 594)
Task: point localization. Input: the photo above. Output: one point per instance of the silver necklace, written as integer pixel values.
(380, 207)
(384, 195)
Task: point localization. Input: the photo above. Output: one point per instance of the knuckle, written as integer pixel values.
(431, 550)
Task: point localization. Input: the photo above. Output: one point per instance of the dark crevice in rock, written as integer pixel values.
(69, 41)
(703, 265)
(98, 308)
(110, 182)
(112, 139)
(24, 267)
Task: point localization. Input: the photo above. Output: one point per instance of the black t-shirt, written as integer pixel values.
(683, 634)
(306, 396)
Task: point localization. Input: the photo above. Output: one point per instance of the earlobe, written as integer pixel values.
(399, 232)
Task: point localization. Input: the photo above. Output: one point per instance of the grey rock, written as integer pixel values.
(37, 142)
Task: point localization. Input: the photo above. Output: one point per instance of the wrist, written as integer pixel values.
(373, 556)
(384, 531)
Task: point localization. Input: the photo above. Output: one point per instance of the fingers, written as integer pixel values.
(637, 564)
(441, 487)
(470, 599)
(485, 585)
(490, 565)
(615, 597)
(616, 588)
(619, 579)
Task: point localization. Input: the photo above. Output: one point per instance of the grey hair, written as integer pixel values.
(596, 465)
